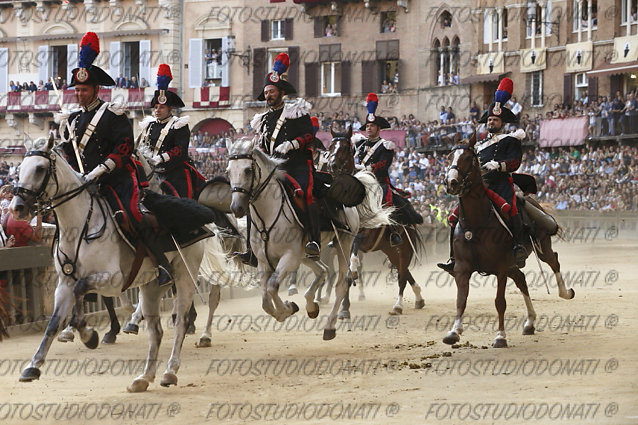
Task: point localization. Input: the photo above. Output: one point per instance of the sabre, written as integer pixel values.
(190, 273)
(73, 141)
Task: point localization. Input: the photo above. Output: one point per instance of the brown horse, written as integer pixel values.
(340, 159)
(482, 243)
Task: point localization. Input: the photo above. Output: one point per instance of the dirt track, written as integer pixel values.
(580, 367)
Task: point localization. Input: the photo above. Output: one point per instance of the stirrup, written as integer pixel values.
(312, 249)
(164, 277)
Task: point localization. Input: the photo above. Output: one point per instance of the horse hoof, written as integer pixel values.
(190, 330)
(354, 275)
(529, 330)
(314, 313)
(168, 379)
(139, 385)
(396, 311)
(204, 342)
(451, 338)
(419, 304)
(293, 291)
(130, 328)
(362, 297)
(344, 315)
(500, 343)
(329, 334)
(569, 294)
(93, 341)
(66, 336)
(295, 308)
(30, 374)
(109, 338)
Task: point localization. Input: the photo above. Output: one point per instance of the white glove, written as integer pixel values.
(492, 165)
(287, 146)
(359, 167)
(158, 159)
(62, 116)
(96, 173)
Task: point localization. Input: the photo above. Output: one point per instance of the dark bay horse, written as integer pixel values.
(482, 243)
(340, 159)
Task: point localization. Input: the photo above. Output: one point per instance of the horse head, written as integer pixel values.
(35, 174)
(464, 170)
(249, 170)
(341, 153)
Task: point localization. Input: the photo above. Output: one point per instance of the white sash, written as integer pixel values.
(91, 127)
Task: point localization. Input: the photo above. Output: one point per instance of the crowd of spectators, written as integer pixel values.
(61, 84)
(130, 82)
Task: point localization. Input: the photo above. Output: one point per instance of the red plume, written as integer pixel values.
(506, 85)
(165, 70)
(372, 98)
(91, 39)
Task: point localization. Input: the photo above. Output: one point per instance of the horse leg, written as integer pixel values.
(282, 309)
(190, 319)
(341, 289)
(88, 336)
(500, 341)
(62, 305)
(551, 258)
(320, 271)
(419, 302)
(266, 299)
(150, 295)
(462, 290)
(292, 286)
(344, 314)
(133, 325)
(213, 302)
(397, 260)
(111, 335)
(126, 303)
(67, 334)
(519, 280)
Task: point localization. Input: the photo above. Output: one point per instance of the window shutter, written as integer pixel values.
(335, 53)
(145, 61)
(382, 50)
(259, 61)
(592, 88)
(486, 27)
(345, 79)
(195, 62)
(225, 60)
(293, 70)
(369, 71)
(43, 63)
(528, 90)
(265, 30)
(72, 61)
(614, 85)
(393, 50)
(567, 89)
(115, 59)
(288, 29)
(319, 30)
(4, 70)
(324, 53)
(312, 79)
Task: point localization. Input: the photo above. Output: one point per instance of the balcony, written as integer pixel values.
(211, 97)
(48, 101)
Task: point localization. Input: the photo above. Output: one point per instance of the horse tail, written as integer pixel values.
(4, 317)
(548, 209)
(414, 233)
(372, 213)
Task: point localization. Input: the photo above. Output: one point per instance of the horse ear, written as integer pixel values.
(28, 143)
(349, 132)
(51, 142)
(472, 140)
(332, 133)
(229, 144)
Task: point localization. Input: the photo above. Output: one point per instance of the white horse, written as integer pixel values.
(276, 236)
(101, 265)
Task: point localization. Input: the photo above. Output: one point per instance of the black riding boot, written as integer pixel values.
(313, 227)
(247, 257)
(152, 242)
(395, 237)
(449, 266)
(519, 240)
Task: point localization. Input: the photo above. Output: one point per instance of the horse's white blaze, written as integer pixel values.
(453, 173)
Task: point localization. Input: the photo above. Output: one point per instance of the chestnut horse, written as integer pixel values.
(483, 244)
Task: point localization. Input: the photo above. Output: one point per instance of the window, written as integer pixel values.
(623, 11)
(388, 21)
(330, 26)
(390, 75)
(445, 20)
(584, 13)
(330, 78)
(581, 85)
(131, 59)
(534, 17)
(278, 30)
(536, 98)
(272, 54)
(491, 18)
(213, 61)
(58, 57)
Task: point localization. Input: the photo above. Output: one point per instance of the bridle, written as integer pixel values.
(262, 185)
(42, 200)
(333, 154)
(465, 183)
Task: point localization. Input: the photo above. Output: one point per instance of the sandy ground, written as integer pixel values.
(580, 367)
